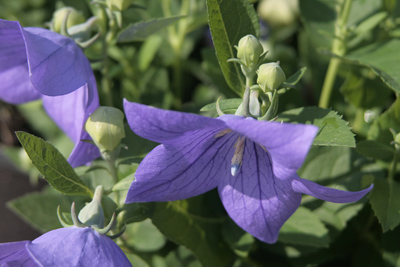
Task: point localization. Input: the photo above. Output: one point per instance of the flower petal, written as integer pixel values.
(194, 166)
(70, 112)
(15, 254)
(325, 193)
(287, 144)
(13, 66)
(75, 246)
(165, 126)
(57, 66)
(255, 199)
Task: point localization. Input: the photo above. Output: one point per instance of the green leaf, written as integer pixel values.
(144, 236)
(141, 30)
(39, 209)
(124, 184)
(333, 131)
(336, 214)
(131, 213)
(385, 201)
(295, 78)
(379, 130)
(148, 51)
(229, 21)
(200, 234)
(53, 166)
(239, 240)
(370, 23)
(364, 92)
(136, 261)
(292, 80)
(224, 104)
(375, 150)
(304, 228)
(383, 59)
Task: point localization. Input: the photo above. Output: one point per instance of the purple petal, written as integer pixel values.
(164, 126)
(325, 193)
(255, 199)
(194, 166)
(57, 65)
(15, 86)
(287, 144)
(70, 112)
(15, 254)
(76, 247)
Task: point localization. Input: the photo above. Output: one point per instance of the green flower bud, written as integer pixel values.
(270, 76)
(106, 127)
(92, 214)
(279, 13)
(118, 5)
(249, 50)
(75, 17)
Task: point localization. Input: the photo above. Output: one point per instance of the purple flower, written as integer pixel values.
(253, 164)
(72, 246)
(37, 63)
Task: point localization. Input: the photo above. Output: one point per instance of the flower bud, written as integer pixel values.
(106, 127)
(118, 5)
(270, 76)
(249, 50)
(75, 17)
(92, 214)
(279, 13)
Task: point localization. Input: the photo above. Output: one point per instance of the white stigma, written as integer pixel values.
(237, 156)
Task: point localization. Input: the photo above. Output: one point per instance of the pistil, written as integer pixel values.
(238, 156)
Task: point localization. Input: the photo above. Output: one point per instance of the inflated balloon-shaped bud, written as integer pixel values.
(249, 50)
(118, 5)
(270, 76)
(279, 13)
(73, 16)
(92, 214)
(106, 127)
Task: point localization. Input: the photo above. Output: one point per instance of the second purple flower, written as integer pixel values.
(253, 164)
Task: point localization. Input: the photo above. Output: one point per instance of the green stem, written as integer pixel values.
(106, 83)
(338, 48)
(329, 81)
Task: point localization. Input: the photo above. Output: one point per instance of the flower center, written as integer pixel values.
(237, 158)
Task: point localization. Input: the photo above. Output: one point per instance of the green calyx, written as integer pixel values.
(91, 215)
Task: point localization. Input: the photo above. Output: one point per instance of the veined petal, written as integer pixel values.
(165, 126)
(13, 66)
(15, 254)
(325, 193)
(286, 143)
(255, 199)
(75, 246)
(57, 66)
(70, 112)
(191, 168)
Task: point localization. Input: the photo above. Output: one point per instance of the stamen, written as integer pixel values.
(238, 156)
(223, 132)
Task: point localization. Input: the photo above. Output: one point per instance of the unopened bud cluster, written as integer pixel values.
(249, 56)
